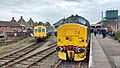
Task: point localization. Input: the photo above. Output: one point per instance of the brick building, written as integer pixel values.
(31, 23)
(118, 22)
(10, 26)
(23, 23)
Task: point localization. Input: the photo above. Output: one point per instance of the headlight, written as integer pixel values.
(59, 48)
(64, 32)
(81, 50)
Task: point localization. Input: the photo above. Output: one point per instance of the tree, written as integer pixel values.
(104, 25)
(41, 23)
(48, 24)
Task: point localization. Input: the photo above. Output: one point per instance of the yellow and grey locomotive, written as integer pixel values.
(73, 38)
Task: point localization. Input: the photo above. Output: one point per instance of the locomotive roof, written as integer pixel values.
(73, 19)
(40, 26)
(76, 19)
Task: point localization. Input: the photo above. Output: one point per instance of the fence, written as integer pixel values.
(12, 36)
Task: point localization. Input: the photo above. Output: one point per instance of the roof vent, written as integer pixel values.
(21, 17)
(12, 18)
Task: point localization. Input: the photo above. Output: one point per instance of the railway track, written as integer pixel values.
(11, 57)
(33, 59)
(68, 64)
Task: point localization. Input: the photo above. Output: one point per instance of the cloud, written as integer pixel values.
(54, 10)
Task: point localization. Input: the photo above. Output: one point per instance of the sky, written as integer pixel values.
(54, 10)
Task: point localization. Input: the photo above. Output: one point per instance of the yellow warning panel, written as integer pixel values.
(79, 57)
(62, 55)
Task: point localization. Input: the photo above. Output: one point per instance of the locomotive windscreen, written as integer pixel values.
(76, 19)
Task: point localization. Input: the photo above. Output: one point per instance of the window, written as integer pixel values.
(35, 30)
(43, 30)
(82, 21)
(39, 30)
(79, 20)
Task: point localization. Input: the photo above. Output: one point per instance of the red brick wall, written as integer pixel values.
(10, 29)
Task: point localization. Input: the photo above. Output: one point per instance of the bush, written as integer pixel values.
(117, 35)
(119, 40)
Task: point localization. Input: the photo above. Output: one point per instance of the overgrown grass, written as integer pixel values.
(16, 45)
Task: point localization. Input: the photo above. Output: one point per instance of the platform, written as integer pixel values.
(99, 58)
(111, 48)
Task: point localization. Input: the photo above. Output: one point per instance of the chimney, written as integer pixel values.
(21, 17)
(30, 18)
(13, 20)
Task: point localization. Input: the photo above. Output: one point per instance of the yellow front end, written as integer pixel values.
(39, 32)
(72, 41)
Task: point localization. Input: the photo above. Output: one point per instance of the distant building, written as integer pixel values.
(118, 22)
(31, 23)
(112, 18)
(60, 22)
(10, 26)
(23, 23)
(98, 25)
(113, 23)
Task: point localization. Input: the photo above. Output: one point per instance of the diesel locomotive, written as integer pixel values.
(40, 32)
(73, 38)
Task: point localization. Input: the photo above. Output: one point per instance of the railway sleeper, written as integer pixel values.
(13, 56)
(19, 66)
(2, 62)
(8, 58)
(25, 50)
(35, 57)
(31, 60)
(25, 63)
(38, 64)
(43, 54)
(21, 53)
(30, 48)
(40, 55)
(16, 55)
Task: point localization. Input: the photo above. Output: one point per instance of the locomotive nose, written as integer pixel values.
(71, 55)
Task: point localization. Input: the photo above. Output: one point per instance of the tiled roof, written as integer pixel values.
(23, 22)
(9, 24)
(31, 22)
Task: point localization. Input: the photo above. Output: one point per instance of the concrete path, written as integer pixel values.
(99, 59)
(112, 50)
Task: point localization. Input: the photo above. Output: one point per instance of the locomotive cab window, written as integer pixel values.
(82, 21)
(79, 20)
(39, 30)
(43, 30)
(35, 30)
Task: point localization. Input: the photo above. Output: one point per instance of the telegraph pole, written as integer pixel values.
(102, 15)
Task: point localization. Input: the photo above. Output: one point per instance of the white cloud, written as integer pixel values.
(54, 10)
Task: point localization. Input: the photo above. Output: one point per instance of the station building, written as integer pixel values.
(10, 26)
(98, 25)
